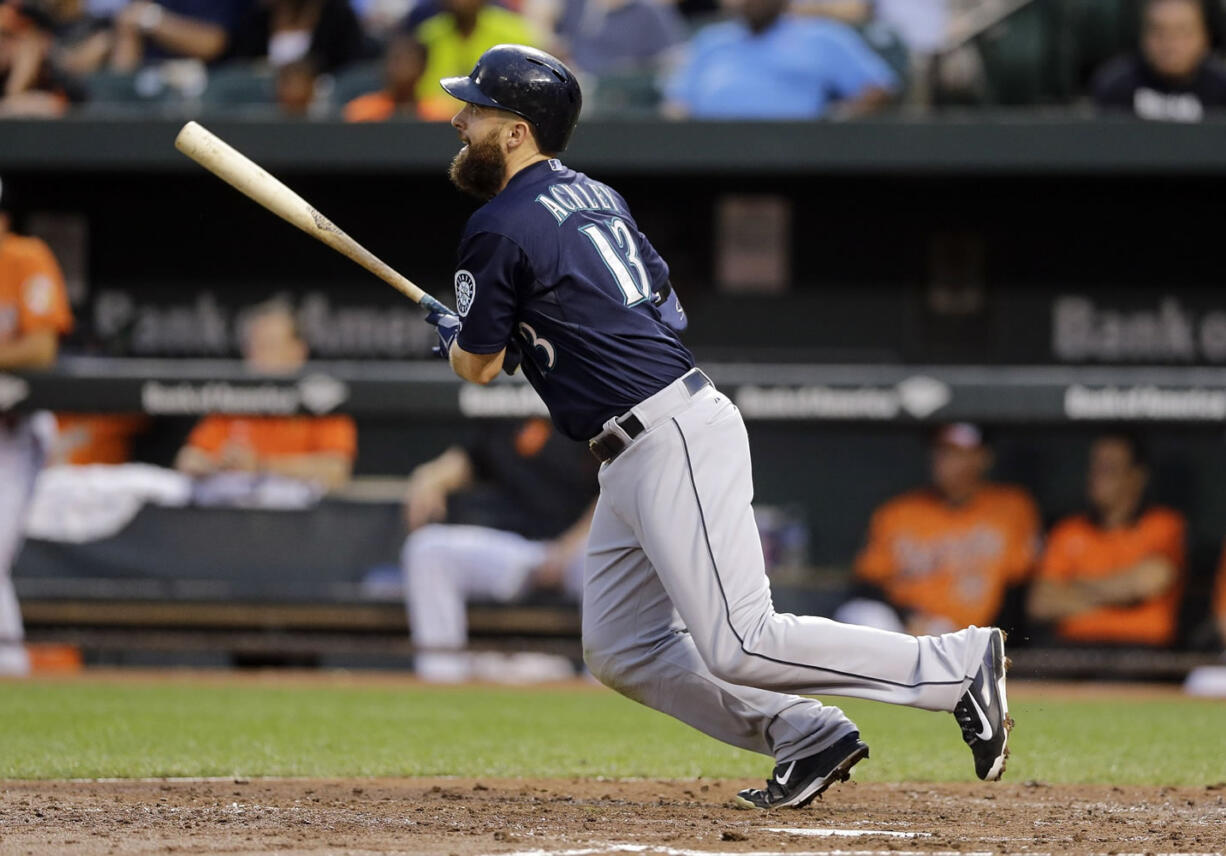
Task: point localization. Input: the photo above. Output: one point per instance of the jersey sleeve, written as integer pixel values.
(853, 66)
(1164, 536)
(44, 300)
(210, 433)
(1058, 562)
(490, 270)
(335, 434)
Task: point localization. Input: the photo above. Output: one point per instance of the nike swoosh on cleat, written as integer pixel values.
(985, 732)
(783, 780)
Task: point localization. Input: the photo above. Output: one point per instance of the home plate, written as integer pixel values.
(847, 833)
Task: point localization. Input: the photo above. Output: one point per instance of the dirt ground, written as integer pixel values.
(580, 817)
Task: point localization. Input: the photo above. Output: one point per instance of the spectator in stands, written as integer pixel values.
(173, 29)
(402, 69)
(947, 556)
(295, 88)
(772, 65)
(326, 32)
(456, 37)
(318, 450)
(1175, 77)
(611, 36)
(493, 520)
(33, 315)
(29, 83)
(1114, 574)
(380, 17)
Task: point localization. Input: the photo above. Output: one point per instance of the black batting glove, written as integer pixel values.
(447, 324)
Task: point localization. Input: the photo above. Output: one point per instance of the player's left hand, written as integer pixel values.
(448, 326)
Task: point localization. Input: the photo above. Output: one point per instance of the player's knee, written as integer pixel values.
(423, 545)
(733, 666)
(602, 656)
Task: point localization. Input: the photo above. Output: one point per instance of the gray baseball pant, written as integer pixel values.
(677, 610)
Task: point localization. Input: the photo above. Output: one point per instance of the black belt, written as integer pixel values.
(608, 445)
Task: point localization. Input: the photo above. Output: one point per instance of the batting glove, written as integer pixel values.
(447, 325)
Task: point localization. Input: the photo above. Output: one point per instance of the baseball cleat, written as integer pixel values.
(796, 783)
(983, 712)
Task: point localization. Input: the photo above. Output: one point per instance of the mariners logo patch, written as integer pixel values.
(465, 291)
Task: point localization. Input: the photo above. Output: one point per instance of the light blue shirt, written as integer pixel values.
(793, 70)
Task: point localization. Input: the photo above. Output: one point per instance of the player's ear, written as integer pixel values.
(520, 134)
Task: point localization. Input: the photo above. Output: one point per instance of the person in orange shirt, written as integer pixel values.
(33, 314)
(944, 557)
(403, 65)
(316, 449)
(97, 438)
(1115, 574)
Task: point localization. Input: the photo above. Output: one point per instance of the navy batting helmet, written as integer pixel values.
(528, 83)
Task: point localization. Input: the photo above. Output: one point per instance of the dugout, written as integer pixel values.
(1046, 276)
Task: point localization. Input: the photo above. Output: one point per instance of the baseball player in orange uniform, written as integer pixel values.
(33, 314)
(943, 557)
(1115, 574)
(317, 449)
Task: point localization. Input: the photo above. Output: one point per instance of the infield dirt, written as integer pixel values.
(679, 818)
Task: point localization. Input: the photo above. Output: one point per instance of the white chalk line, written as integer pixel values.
(847, 833)
(659, 850)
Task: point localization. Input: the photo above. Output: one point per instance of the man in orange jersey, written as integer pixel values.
(33, 314)
(1114, 574)
(315, 449)
(944, 557)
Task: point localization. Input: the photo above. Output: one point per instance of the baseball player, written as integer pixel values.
(555, 276)
(33, 314)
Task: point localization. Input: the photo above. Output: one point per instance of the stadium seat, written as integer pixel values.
(239, 84)
(624, 94)
(885, 41)
(1018, 56)
(1091, 32)
(357, 80)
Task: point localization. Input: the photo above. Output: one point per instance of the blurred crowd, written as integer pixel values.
(373, 60)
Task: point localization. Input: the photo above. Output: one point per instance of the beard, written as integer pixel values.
(479, 167)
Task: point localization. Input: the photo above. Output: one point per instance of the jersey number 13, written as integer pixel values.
(621, 256)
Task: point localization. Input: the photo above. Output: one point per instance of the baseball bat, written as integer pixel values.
(248, 178)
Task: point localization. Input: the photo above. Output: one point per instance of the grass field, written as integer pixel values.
(86, 728)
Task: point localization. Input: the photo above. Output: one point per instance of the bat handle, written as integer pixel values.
(432, 305)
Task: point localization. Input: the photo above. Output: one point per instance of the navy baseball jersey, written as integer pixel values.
(556, 262)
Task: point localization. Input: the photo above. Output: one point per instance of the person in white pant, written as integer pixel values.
(555, 276)
(517, 522)
(33, 314)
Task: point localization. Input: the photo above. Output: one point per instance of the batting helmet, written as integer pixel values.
(529, 83)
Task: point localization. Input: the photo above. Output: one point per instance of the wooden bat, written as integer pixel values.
(247, 177)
